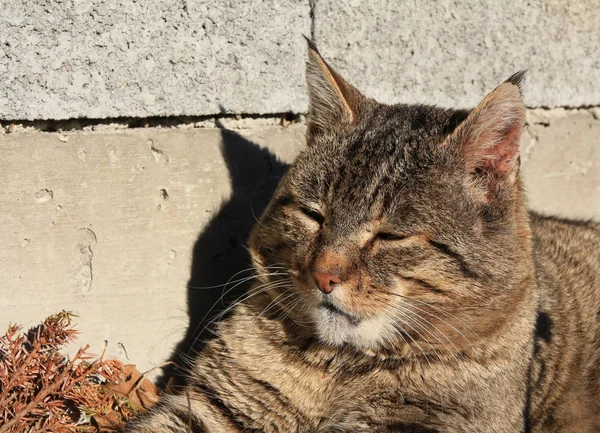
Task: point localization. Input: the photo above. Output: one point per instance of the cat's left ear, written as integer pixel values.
(489, 138)
(333, 102)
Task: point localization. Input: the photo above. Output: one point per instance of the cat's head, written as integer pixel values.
(398, 223)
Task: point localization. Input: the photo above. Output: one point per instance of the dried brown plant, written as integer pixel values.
(42, 390)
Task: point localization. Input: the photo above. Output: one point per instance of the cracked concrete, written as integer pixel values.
(84, 275)
(105, 222)
(238, 121)
(159, 156)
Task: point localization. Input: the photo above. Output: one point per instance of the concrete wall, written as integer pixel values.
(115, 58)
(105, 224)
(451, 52)
(114, 223)
(131, 58)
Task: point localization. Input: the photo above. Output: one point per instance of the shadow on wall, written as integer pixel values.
(220, 252)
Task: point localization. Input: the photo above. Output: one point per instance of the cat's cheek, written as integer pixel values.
(401, 287)
(257, 260)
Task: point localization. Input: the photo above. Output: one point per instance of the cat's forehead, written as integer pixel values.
(401, 125)
(394, 133)
(371, 166)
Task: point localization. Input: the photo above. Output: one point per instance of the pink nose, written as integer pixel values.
(326, 281)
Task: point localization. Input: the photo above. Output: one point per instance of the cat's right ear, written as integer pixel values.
(332, 101)
(489, 138)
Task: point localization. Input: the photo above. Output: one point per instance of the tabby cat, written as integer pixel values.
(403, 286)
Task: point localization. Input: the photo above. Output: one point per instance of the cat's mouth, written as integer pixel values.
(334, 311)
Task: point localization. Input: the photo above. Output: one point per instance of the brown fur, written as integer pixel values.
(453, 309)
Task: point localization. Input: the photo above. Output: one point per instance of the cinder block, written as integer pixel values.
(451, 53)
(128, 58)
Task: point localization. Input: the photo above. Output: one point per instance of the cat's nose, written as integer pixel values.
(326, 281)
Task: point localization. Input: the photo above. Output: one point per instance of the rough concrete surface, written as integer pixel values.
(561, 162)
(100, 58)
(108, 224)
(104, 225)
(451, 52)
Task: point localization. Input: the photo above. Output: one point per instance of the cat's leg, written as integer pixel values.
(183, 414)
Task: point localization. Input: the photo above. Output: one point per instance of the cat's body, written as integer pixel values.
(403, 287)
(564, 380)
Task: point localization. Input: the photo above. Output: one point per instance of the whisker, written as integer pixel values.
(275, 302)
(441, 399)
(209, 325)
(251, 292)
(408, 311)
(451, 316)
(433, 315)
(229, 281)
(406, 317)
(287, 312)
(417, 318)
(254, 215)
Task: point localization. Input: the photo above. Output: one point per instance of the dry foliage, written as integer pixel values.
(41, 390)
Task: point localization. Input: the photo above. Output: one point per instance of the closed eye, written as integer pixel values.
(389, 236)
(313, 215)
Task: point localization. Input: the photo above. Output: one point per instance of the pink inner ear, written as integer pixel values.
(489, 140)
(499, 158)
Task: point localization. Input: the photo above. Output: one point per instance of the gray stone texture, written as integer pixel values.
(127, 58)
(108, 224)
(451, 53)
(64, 59)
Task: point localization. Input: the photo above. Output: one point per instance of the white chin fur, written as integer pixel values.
(336, 330)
